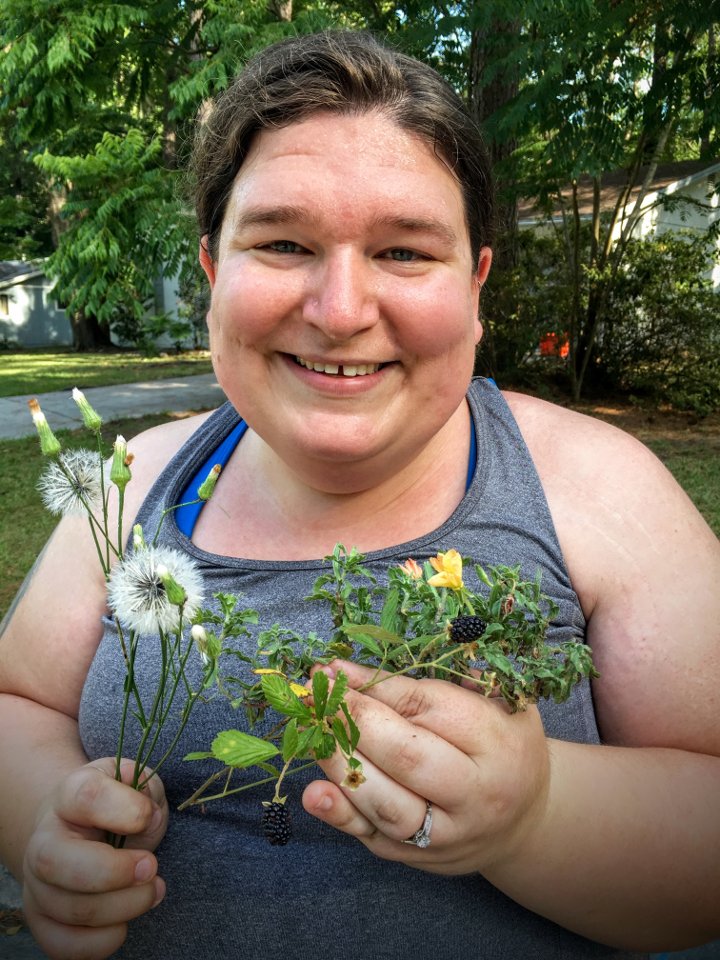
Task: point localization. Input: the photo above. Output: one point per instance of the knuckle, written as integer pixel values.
(406, 758)
(415, 702)
(390, 817)
(42, 859)
(82, 791)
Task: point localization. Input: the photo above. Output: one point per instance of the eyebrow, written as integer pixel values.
(291, 213)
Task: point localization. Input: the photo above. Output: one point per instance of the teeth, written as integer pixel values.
(348, 370)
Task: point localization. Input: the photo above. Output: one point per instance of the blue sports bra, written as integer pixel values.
(189, 510)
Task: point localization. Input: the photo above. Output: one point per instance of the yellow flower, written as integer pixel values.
(299, 690)
(262, 670)
(353, 779)
(449, 570)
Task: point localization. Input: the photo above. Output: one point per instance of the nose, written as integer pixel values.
(340, 299)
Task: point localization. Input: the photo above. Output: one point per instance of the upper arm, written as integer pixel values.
(646, 568)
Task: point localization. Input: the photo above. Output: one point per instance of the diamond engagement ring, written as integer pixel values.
(421, 837)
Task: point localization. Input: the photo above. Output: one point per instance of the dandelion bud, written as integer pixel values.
(173, 590)
(138, 538)
(120, 473)
(205, 490)
(49, 443)
(199, 635)
(91, 418)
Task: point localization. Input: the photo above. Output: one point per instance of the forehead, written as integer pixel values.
(347, 164)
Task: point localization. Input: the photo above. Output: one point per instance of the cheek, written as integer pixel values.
(443, 321)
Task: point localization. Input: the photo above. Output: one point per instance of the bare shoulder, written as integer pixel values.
(646, 568)
(49, 637)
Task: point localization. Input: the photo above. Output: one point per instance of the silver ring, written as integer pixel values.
(421, 837)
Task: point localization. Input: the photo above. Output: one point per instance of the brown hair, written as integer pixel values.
(341, 72)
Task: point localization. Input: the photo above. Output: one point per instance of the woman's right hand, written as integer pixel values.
(79, 891)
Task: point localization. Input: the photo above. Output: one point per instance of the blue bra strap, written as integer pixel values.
(188, 512)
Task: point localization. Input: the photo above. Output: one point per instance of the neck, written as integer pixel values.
(288, 515)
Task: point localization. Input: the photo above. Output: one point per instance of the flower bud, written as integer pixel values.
(412, 568)
(138, 538)
(91, 418)
(205, 490)
(173, 590)
(49, 443)
(120, 473)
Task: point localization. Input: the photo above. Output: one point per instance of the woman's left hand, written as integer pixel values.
(484, 770)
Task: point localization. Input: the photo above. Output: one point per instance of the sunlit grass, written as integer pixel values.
(43, 371)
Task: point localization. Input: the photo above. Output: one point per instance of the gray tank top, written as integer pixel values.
(232, 895)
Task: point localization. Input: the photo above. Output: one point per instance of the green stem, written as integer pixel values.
(247, 786)
(168, 510)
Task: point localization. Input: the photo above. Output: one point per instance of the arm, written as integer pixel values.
(78, 897)
(617, 842)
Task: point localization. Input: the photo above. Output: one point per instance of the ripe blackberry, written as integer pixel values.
(276, 823)
(466, 629)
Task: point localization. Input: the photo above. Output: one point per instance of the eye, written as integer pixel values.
(283, 246)
(403, 255)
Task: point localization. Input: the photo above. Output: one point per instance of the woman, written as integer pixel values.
(344, 204)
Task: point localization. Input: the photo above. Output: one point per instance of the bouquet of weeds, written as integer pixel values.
(426, 621)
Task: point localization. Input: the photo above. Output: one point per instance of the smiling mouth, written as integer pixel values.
(340, 370)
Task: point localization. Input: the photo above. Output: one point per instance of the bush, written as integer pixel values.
(660, 336)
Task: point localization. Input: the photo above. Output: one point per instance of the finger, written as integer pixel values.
(328, 803)
(389, 807)
(92, 798)
(62, 942)
(97, 909)
(459, 716)
(87, 866)
(410, 755)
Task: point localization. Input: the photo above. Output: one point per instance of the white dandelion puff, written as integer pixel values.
(71, 484)
(138, 596)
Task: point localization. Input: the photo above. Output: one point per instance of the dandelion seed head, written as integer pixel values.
(137, 594)
(70, 482)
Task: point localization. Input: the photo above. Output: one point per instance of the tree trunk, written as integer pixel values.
(281, 9)
(88, 334)
(485, 97)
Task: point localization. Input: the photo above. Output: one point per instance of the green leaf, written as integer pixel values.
(341, 735)
(237, 749)
(199, 755)
(336, 694)
(388, 616)
(352, 727)
(290, 740)
(281, 698)
(320, 686)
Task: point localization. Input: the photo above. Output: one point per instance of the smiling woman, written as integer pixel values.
(345, 216)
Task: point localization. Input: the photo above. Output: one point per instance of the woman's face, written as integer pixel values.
(344, 307)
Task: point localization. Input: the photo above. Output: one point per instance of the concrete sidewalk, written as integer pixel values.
(201, 392)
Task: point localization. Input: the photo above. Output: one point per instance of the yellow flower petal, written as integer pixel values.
(299, 690)
(449, 567)
(263, 670)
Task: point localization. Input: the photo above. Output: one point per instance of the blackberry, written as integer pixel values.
(276, 823)
(467, 629)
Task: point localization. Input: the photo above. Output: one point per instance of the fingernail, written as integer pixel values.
(159, 892)
(325, 804)
(156, 821)
(326, 668)
(144, 869)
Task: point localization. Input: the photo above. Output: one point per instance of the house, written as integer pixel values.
(29, 316)
(681, 197)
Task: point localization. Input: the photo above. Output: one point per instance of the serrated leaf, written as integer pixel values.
(281, 698)
(341, 735)
(320, 686)
(290, 740)
(388, 615)
(352, 727)
(237, 749)
(336, 694)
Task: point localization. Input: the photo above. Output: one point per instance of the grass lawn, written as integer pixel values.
(690, 451)
(40, 371)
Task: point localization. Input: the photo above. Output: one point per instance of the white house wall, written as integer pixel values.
(33, 319)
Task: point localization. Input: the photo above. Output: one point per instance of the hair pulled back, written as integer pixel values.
(344, 72)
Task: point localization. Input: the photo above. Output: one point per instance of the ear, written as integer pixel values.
(483, 269)
(484, 263)
(206, 261)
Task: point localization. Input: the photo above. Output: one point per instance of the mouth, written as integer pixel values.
(340, 369)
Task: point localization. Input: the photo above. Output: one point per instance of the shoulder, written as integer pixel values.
(646, 568)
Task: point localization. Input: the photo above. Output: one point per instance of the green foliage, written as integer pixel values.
(660, 333)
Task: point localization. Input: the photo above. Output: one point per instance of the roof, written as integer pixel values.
(669, 177)
(17, 271)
